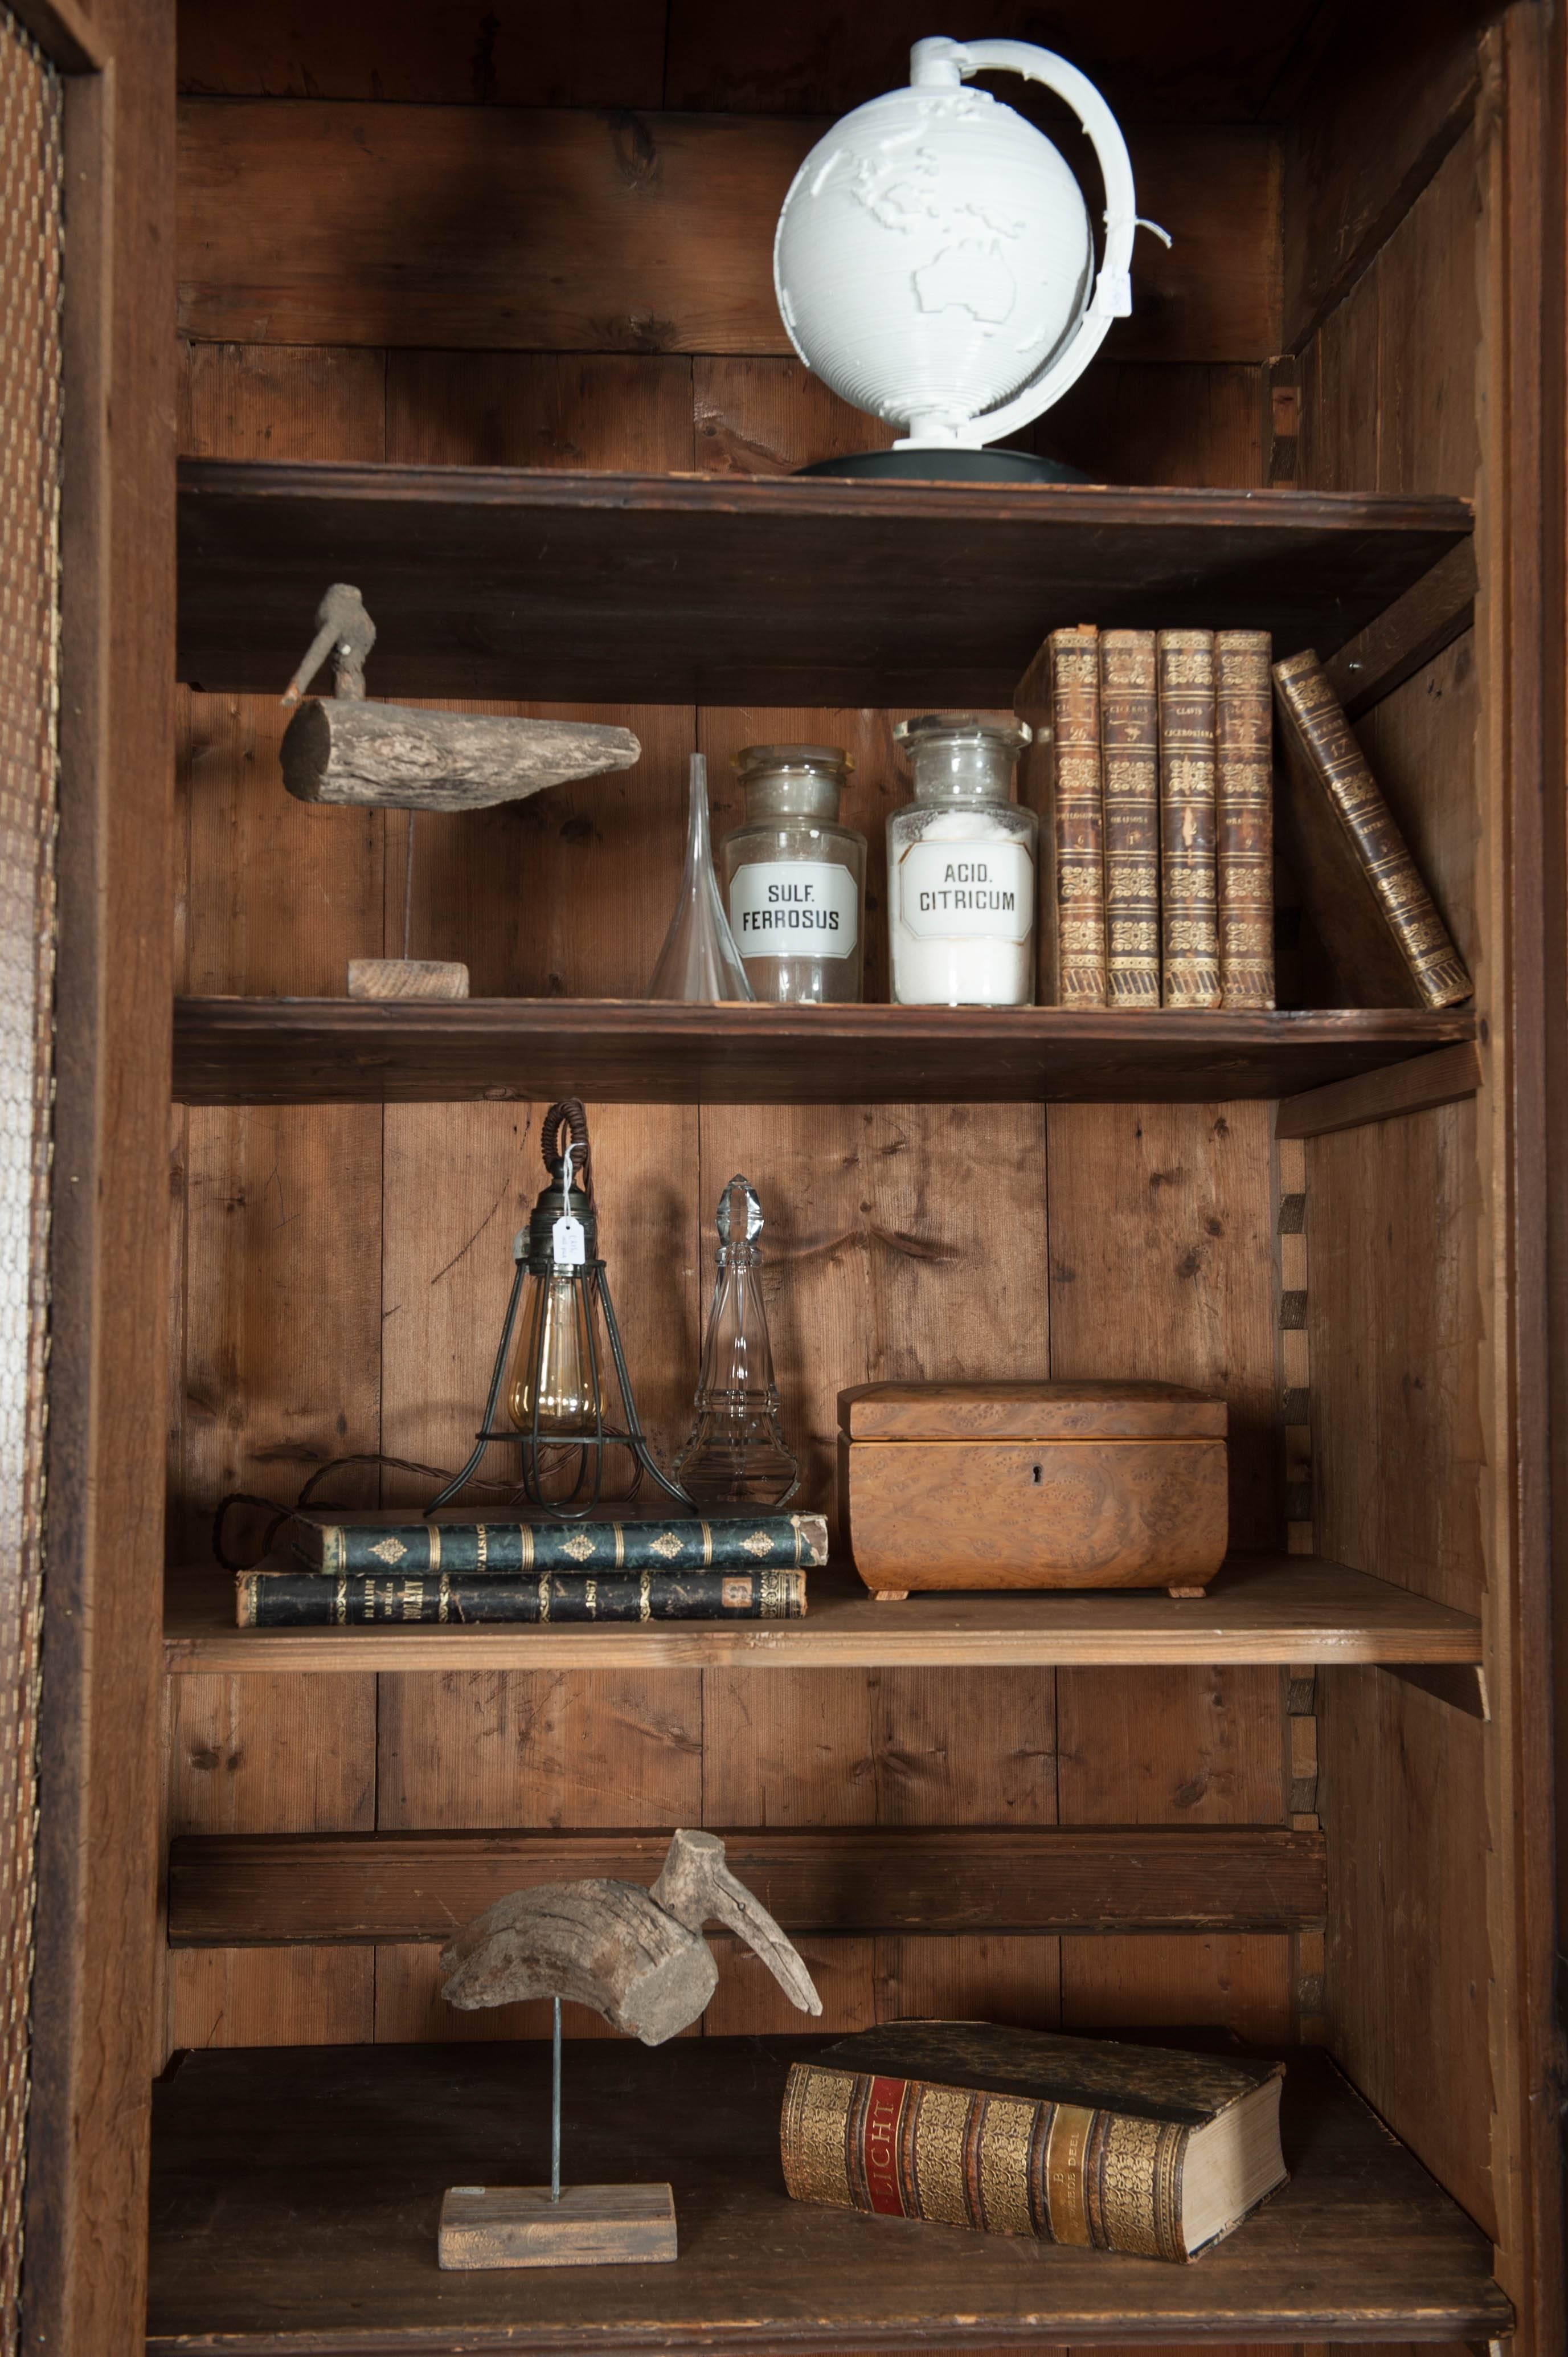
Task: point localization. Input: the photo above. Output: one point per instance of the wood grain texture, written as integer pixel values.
(632, 1051)
(1359, 2236)
(1174, 422)
(1389, 101)
(508, 890)
(1407, 635)
(562, 231)
(815, 60)
(424, 52)
(406, 978)
(1277, 1608)
(1162, 1266)
(1043, 1514)
(395, 1889)
(580, 2226)
(1418, 1086)
(492, 581)
(94, 2036)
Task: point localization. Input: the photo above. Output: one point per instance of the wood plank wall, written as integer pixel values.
(1398, 1320)
(339, 1272)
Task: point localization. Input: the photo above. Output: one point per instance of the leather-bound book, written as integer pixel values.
(1075, 2140)
(1130, 762)
(1076, 807)
(307, 1599)
(1188, 897)
(1244, 792)
(1377, 919)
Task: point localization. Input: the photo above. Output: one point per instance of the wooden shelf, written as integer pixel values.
(714, 589)
(1261, 1609)
(637, 1052)
(229, 1891)
(294, 2197)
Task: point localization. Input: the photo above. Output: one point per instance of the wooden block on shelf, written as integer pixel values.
(406, 978)
(590, 2226)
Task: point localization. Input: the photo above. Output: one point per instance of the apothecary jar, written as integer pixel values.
(794, 877)
(960, 866)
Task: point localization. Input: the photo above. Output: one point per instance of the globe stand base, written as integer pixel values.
(950, 465)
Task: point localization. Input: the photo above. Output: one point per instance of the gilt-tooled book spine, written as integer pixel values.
(1003, 2164)
(1189, 913)
(1244, 793)
(497, 1550)
(303, 1599)
(1077, 817)
(1129, 758)
(1309, 706)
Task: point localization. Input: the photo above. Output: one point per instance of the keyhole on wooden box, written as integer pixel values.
(1036, 1474)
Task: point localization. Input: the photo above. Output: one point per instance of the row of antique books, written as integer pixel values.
(1164, 803)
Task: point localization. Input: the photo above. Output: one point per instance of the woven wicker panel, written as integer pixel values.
(31, 197)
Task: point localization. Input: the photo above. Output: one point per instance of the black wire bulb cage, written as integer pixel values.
(567, 1371)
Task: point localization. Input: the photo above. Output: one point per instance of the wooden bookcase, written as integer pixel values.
(555, 446)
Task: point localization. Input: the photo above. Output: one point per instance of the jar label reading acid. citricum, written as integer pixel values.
(794, 908)
(980, 889)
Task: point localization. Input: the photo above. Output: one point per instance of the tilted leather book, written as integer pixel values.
(1080, 827)
(1130, 762)
(1188, 900)
(305, 1600)
(1377, 919)
(1075, 2140)
(1244, 793)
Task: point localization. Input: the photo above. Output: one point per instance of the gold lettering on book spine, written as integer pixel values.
(1439, 972)
(1243, 730)
(1078, 816)
(1188, 885)
(1065, 2156)
(1130, 760)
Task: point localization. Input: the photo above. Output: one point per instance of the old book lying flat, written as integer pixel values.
(481, 1550)
(1075, 2140)
(309, 1599)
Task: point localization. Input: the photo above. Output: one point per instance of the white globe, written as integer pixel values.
(933, 255)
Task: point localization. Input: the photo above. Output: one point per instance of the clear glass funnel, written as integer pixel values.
(699, 961)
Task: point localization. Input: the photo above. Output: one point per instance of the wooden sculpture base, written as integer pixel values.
(590, 2226)
(406, 978)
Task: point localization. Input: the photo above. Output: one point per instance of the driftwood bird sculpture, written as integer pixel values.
(636, 1955)
(345, 750)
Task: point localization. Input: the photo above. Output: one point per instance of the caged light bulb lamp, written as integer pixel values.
(934, 262)
(568, 1368)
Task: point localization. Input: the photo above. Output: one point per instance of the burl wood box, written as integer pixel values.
(1032, 1485)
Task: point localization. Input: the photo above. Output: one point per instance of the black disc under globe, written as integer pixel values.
(948, 466)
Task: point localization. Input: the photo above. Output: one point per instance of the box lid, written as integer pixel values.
(1001, 1410)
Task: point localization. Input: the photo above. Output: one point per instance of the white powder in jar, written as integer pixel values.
(960, 910)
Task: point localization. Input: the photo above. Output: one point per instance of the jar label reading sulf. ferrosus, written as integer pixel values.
(977, 890)
(794, 908)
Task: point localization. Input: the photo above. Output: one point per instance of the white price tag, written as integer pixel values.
(566, 1245)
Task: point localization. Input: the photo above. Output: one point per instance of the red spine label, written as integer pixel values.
(882, 2113)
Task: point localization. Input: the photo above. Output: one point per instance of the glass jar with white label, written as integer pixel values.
(960, 866)
(794, 878)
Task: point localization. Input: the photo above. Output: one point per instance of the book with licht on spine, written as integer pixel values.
(305, 1600)
(1139, 2149)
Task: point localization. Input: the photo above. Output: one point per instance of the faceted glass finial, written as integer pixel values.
(736, 1457)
